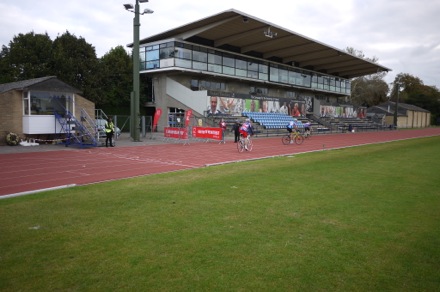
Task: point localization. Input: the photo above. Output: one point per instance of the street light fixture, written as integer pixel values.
(134, 98)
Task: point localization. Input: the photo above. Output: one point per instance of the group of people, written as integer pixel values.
(240, 129)
(245, 129)
(294, 125)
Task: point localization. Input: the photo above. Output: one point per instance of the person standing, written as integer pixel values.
(236, 129)
(109, 131)
(222, 125)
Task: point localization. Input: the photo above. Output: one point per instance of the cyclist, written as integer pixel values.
(246, 129)
(292, 126)
(307, 130)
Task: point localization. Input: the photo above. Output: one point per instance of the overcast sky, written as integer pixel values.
(404, 35)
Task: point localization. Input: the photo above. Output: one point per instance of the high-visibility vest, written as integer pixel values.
(109, 127)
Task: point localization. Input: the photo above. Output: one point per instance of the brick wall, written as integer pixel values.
(10, 114)
(87, 105)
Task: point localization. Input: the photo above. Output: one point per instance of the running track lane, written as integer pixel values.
(28, 172)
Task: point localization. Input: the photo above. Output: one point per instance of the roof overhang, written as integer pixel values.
(242, 33)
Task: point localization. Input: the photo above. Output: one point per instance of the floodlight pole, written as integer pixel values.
(134, 116)
(397, 105)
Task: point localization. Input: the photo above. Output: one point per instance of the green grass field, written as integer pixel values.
(357, 219)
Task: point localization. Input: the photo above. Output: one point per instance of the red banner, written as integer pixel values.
(156, 118)
(207, 133)
(178, 133)
(188, 114)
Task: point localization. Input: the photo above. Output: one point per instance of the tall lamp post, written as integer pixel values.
(397, 105)
(134, 98)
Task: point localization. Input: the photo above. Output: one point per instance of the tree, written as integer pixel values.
(416, 93)
(75, 62)
(116, 77)
(368, 90)
(28, 56)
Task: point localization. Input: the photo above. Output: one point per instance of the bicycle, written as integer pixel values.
(241, 144)
(307, 134)
(295, 136)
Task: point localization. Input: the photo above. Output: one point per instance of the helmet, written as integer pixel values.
(295, 120)
(247, 120)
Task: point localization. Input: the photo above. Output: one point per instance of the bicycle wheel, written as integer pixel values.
(250, 145)
(299, 139)
(286, 140)
(240, 145)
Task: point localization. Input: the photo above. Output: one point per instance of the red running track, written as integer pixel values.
(23, 173)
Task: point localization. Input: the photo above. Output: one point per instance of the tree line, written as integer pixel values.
(107, 81)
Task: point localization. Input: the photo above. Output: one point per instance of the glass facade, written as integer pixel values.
(194, 57)
(46, 103)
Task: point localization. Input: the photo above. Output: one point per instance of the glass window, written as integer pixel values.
(263, 70)
(241, 64)
(273, 75)
(253, 66)
(228, 70)
(142, 56)
(283, 75)
(292, 77)
(228, 61)
(152, 64)
(183, 53)
(320, 82)
(252, 70)
(203, 59)
(326, 83)
(200, 66)
(167, 52)
(183, 63)
(47, 103)
(200, 56)
(214, 59)
(26, 106)
(252, 74)
(307, 79)
(215, 68)
(152, 55)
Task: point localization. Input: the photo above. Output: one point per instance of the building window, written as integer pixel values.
(201, 58)
(47, 103)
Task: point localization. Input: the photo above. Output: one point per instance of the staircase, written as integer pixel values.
(80, 132)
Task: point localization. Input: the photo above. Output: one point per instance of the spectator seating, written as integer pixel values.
(272, 120)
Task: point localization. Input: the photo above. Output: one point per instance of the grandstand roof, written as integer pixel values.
(239, 32)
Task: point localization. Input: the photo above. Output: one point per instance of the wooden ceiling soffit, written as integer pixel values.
(199, 30)
(238, 36)
(332, 59)
(303, 48)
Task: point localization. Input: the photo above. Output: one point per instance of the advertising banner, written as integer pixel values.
(177, 133)
(207, 133)
(156, 118)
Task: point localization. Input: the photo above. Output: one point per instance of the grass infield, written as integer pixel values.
(356, 219)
